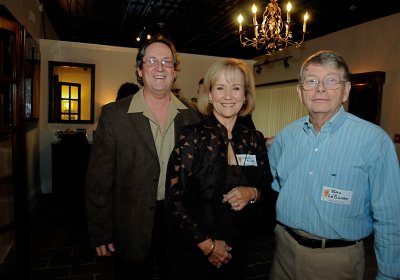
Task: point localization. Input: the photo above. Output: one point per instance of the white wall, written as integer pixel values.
(368, 47)
(114, 66)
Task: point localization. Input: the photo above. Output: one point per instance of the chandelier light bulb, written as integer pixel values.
(240, 20)
(305, 22)
(254, 9)
(288, 9)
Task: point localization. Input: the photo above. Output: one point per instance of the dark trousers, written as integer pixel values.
(144, 270)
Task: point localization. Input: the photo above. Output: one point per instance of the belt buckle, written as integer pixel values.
(316, 243)
(311, 243)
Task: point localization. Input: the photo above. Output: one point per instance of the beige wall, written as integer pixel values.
(372, 46)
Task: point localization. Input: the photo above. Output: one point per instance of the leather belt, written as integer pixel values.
(315, 243)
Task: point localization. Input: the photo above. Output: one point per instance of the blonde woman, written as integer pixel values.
(216, 172)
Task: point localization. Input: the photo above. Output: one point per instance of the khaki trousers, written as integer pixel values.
(296, 262)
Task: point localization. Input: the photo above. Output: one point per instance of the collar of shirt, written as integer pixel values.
(138, 105)
(330, 126)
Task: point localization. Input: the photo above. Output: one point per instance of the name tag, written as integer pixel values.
(336, 195)
(246, 160)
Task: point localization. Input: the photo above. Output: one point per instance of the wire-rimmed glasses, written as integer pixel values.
(153, 62)
(328, 82)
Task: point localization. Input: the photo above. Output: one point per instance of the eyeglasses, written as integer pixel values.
(329, 83)
(152, 62)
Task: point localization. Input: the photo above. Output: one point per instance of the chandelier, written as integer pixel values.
(273, 32)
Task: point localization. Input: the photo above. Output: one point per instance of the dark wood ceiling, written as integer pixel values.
(206, 27)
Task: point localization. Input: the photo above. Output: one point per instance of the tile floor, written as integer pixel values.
(60, 248)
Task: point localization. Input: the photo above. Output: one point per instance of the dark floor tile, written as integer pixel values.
(55, 252)
(105, 260)
(39, 263)
(96, 268)
(85, 250)
(43, 233)
(86, 277)
(78, 241)
(105, 276)
(50, 273)
(71, 260)
(42, 244)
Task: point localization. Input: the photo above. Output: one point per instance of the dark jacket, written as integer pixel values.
(197, 178)
(122, 179)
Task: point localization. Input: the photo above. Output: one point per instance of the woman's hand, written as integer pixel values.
(217, 251)
(221, 254)
(239, 197)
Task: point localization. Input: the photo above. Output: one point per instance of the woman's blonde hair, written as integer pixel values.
(227, 65)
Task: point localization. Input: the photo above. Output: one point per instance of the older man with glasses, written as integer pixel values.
(126, 174)
(338, 180)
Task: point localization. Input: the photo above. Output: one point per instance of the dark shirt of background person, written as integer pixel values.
(126, 89)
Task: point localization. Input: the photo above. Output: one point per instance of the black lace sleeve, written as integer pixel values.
(181, 186)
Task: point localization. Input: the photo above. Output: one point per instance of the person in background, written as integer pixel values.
(338, 180)
(216, 172)
(268, 141)
(201, 86)
(126, 173)
(126, 89)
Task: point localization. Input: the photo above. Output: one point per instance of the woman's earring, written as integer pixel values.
(244, 101)
(210, 101)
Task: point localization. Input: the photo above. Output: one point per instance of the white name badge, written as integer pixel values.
(246, 160)
(336, 195)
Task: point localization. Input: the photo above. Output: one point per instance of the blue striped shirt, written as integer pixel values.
(340, 183)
